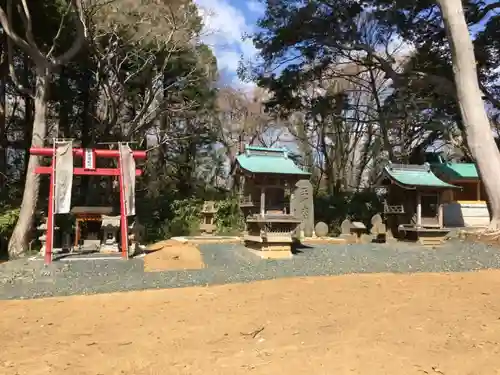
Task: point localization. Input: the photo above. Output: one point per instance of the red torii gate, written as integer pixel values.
(88, 156)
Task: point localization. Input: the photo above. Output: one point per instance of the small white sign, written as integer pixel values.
(89, 159)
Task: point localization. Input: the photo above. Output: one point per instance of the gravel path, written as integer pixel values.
(232, 263)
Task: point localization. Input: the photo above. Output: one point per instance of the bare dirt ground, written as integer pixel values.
(354, 324)
(172, 255)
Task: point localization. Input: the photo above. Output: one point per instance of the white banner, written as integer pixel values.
(127, 167)
(64, 177)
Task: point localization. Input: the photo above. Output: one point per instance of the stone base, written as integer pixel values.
(326, 240)
(432, 239)
(109, 249)
(270, 250)
(366, 238)
(271, 254)
(55, 250)
(349, 238)
(269, 246)
(203, 239)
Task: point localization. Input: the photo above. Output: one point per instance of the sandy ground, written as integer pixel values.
(355, 324)
(172, 255)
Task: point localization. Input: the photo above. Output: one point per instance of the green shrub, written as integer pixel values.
(185, 219)
(358, 206)
(8, 219)
(229, 218)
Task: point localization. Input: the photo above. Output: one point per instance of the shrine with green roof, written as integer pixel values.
(467, 206)
(464, 175)
(266, 180)
(414, 202)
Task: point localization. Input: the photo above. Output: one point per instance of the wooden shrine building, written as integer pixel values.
(466, 207)
(275, 196)
(414, 204)
(88, 223)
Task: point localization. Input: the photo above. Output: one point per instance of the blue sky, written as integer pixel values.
(226, 22)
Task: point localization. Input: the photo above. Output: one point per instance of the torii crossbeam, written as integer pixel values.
(88, 169)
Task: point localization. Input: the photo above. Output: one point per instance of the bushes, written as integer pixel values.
(185, 215)
(165, 218)
(185, 219)
(8, 219)
(359, 206)
(229, 218)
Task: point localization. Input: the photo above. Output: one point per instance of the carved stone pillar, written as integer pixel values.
(302, 206)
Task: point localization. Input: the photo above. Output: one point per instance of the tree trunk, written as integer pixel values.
(18, 243)
(476, 123)
(66, 99)
(4, 73)
(29, 110)
(382, 119)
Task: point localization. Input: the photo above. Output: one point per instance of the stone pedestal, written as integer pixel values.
(270, 234)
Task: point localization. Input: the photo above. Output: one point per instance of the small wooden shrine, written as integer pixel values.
(275, 196)
(88, 223)
(414, 204)
(467, 206)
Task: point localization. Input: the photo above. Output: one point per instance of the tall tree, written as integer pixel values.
(322, 34)
(472, 108)
(45, 61)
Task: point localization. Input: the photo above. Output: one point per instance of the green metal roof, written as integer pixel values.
(268, 160)
(412, 176)
(458, 171)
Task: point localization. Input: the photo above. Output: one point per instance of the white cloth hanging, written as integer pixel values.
(127, 168)
(64, 177)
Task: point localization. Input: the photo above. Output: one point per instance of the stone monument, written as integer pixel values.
(321, 229)
(378, 230)
(345, 228)
(302, 206)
